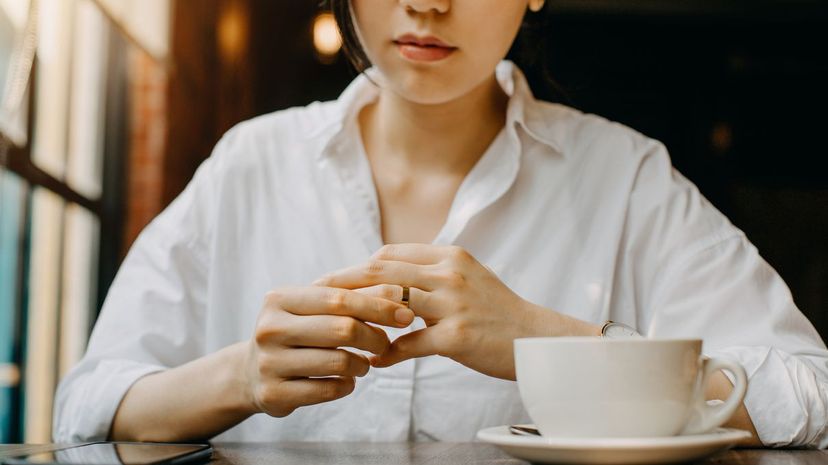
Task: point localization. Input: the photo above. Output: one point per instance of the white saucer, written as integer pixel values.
(614, 451)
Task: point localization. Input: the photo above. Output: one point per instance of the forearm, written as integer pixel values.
(194, 401)
(549, 323)
(719, 387)
(537, 321)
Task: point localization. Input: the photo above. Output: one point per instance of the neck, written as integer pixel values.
(448, 137)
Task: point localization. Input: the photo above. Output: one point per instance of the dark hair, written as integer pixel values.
(530, 50)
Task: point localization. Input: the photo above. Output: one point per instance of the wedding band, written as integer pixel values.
(406, 294)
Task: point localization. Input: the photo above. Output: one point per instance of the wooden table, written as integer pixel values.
(431, 453)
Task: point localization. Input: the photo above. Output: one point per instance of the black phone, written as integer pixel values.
(118, 453)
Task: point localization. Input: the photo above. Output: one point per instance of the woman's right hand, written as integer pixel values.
(295, 356)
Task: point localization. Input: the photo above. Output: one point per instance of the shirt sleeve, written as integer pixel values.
(153, 317)
(698, 276)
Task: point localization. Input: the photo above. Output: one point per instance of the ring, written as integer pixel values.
(406, 294)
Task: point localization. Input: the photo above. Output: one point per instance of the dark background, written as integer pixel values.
(735, 89)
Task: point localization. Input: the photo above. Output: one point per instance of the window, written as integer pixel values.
(63, 105)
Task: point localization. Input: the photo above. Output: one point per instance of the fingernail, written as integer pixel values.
(404, 316)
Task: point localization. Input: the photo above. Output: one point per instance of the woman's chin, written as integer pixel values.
(426, 90)
(429, 85)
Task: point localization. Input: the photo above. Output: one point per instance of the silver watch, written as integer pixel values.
(613, 330)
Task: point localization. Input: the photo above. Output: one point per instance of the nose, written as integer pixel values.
(424, 6)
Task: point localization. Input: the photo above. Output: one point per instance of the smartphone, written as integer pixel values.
(118, 453)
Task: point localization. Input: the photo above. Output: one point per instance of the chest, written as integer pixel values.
(551, 242)
(414, 210)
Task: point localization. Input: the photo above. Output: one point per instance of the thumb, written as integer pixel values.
(420, 343)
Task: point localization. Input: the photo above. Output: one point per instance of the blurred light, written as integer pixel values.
(326, 37)
(9, 375)
(721, 138)
(232, 32)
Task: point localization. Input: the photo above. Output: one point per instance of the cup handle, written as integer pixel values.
(706, 417)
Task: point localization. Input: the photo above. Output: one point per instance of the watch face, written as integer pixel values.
(620, 331)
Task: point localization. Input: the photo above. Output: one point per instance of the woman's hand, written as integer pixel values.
(471, 316)
(295, 359)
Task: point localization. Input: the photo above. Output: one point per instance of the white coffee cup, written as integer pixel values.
(593, 387)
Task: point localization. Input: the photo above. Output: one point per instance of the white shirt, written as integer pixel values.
(573, 212)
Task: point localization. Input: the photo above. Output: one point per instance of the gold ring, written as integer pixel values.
(406, 294)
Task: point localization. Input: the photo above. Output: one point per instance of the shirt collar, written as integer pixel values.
(523, 110)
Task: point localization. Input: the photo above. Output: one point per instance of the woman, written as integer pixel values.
(504, 216)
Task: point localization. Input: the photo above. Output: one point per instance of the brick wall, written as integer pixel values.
(148, 83)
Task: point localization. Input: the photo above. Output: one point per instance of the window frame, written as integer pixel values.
(108, 209)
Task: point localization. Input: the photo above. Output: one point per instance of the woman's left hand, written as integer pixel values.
(471, 316)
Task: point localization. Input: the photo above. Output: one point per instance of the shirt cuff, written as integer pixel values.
(89, 397)
(785, 399)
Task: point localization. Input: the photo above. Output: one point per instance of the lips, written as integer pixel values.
(427, 49)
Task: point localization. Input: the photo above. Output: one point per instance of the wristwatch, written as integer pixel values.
(613, 330)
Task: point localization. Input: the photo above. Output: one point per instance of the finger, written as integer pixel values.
(374, 272)
(326, 331)
(305, 391)
(341, 302)
(418, 254)
(390, 292)
(420, 343)
(307, 362)
(421, 302)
